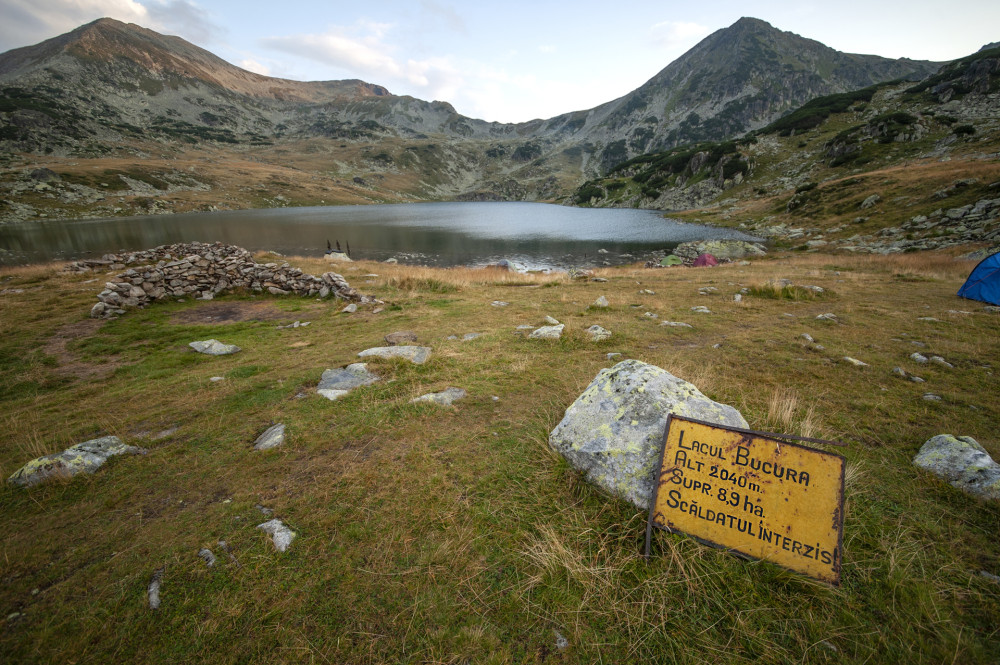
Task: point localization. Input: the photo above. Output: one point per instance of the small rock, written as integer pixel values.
(900, 372)
(207, 555)
(807, 337)
(738, 297)
(417, 355)
(827, 317)
(962, 462)
(707, 290)
(350, 309)
(651, 315)
(266, 512)
(918, 358)
(272, 437)
(941, 361)
(990, 576)
(647, 292)
(701, 309)
(855, 362)
(676, 324)
(468, 337)
(993, 309)
(335, 383)
(214, 347)
(561, 642)
(215, 379)
(927, 318)
(400, 337)
(601, 302)
(525, 326)
(548, 332)
(445, 398)
(281, 535)
(153, 590)
(597, 333)
(613, 355)
(916, 379)
(931, 397)
(499, 303)
(551, 321)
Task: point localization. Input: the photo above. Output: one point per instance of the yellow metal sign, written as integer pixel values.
(753, 494)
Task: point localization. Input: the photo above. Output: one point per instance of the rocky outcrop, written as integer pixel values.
(204, 271)
(613, 431)
(84, 457)
(721, 249)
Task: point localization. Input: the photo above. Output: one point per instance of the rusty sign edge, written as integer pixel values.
(651, 523)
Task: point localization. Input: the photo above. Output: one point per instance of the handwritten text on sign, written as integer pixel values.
(756, 495)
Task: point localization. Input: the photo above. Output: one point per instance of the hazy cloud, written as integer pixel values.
(678, 35)
(27, 22)
(547, 48)
(445, 13)
(183, 18)
(363, 51)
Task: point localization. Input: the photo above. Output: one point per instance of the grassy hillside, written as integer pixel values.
(450, 535)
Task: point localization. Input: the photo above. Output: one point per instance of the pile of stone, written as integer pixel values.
(202, 270)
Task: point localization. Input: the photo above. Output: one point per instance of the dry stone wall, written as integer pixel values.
(202, 270)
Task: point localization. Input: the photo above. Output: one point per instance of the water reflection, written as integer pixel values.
(530, 234)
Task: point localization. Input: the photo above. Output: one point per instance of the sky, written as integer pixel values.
(508, 61)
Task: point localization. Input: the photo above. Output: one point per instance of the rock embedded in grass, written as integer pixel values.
(417, 355)
(153, 589)
(400, 337)
(444, 398)
(598, 334)
(613, 431)
(855, 362)
(548, 332)
(335, 383)
(272, 437)
(601, 302)
(84, 457)
(962, 462)
(213, 347)
(676, 324)
(281, 535)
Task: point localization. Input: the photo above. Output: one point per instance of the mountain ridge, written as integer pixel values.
(113, 90)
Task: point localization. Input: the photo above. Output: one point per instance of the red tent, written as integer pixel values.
(705, 260)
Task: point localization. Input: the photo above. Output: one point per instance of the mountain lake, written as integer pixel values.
(530, 236)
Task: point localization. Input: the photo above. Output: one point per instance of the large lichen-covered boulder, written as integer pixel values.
(963, 463)
(84, 457)
(614, 429)
(720, 249)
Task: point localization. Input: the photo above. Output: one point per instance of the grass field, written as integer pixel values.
(428, 534)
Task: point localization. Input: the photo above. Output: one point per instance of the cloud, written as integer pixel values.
(677, 35)
(547, 48)
(253, 66)
(183, 18)
(445, 13)
(28, 22)
(363, 51)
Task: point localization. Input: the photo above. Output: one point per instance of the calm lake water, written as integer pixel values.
(529, 235)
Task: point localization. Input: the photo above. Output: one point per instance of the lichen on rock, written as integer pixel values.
(613, 431)
(84, 457)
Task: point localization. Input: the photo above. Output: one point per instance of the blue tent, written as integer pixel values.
(984, 281)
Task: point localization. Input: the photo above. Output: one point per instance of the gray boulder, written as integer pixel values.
(963, 463)
(613, 431)
(84, 457)
(214, 347)
(335, 383)
(272, 437)
(720, 249)
(417, 355)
